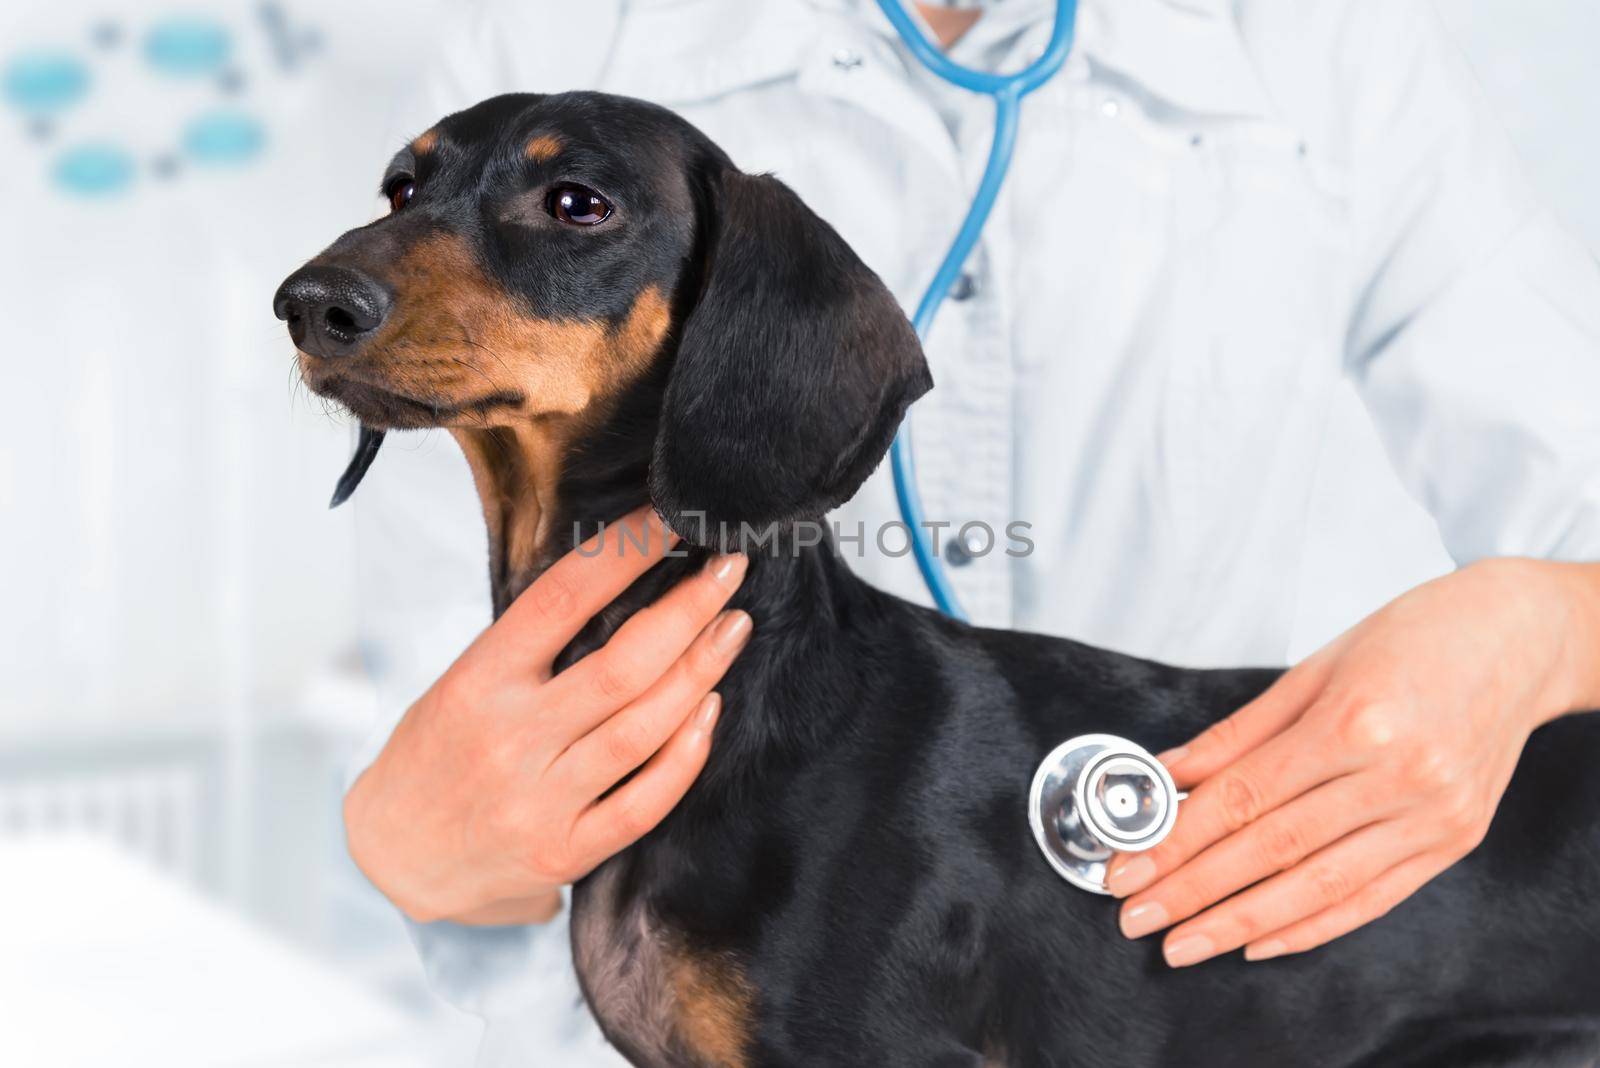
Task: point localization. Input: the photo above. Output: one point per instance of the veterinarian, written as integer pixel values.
(1222, 216)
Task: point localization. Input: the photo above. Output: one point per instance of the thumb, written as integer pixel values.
(1225, 741)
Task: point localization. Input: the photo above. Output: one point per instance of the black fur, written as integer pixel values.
(858, 843)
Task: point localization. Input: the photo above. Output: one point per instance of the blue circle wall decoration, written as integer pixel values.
(224, 137)
(97, 168)
(186, 46)
(40, 83)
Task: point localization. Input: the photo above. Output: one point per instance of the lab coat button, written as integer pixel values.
(964, 287)
(959, 553)
(847, 59)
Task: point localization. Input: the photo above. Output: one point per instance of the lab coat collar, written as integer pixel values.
(1186, 52)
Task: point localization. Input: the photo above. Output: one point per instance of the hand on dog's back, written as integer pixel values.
(497, 786)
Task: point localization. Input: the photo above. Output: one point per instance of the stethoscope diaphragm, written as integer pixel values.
(1095, 795)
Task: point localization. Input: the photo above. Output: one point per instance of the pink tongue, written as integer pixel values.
(366, 451)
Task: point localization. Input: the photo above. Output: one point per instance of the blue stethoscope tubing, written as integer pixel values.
(1008, 91)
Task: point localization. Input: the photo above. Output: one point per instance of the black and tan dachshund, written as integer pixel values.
(606, 312)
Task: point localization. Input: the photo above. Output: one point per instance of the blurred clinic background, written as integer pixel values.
(182, 679)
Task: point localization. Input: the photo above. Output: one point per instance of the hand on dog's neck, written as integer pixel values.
(544, 488)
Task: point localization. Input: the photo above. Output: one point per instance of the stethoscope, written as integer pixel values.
(1096, 794)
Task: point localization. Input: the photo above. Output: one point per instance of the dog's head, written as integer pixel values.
(555, 266)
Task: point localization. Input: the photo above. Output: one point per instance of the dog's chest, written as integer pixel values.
(621, 961)
(657, 1000)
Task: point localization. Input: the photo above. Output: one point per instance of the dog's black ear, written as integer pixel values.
(792, 373)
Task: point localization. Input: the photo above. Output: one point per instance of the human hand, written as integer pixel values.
(1367, 769)
(492, 792)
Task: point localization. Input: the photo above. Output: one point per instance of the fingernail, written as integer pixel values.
(1192, 949)
(1172, 756)
(1140, 920)
(1130, 876)
(728, 568)
(1265, 950)
(730, 632)
(706, 714)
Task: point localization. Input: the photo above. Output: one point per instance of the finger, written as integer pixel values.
(552, 611)
(1324, 880)
(1229, 801)
(642, 649)
(633, 809)
(600, 759)
(1225, 741)
(1274, 843)
(1367, 904)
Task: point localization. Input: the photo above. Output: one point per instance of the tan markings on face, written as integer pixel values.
(715, 1005)
(569, 374)
(426, 143)
(543, 148)
(456, 337)
(515, 390)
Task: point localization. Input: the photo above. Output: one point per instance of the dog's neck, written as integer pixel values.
(517, 472)
(808, 610)
(544, 491)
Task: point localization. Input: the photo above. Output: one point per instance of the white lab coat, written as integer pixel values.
(1222, 215)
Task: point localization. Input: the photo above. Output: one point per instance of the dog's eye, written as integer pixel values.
(399, 191)
(579, 205)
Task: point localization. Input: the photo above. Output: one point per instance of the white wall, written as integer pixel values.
(166, 547)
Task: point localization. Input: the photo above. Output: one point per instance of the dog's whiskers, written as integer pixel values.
(466, 339)
(475, 370)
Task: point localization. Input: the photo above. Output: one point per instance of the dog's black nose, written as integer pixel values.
(331, 310)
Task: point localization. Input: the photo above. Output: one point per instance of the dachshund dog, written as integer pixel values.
(606, 312)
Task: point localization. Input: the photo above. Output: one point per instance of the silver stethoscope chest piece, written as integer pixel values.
(1096, 795)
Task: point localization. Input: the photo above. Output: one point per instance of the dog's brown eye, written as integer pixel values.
(578, 205)
(400, 192)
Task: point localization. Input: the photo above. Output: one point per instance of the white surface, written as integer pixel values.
(105, 962)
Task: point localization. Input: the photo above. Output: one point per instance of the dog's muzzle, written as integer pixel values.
(1096, 795)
